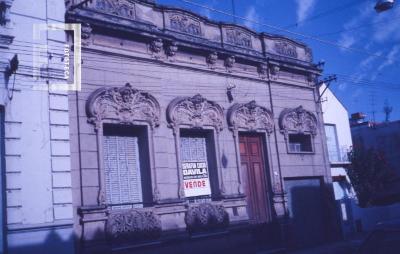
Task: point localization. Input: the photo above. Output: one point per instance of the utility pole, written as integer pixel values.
(327, 81)
(234, 11)
(387, 109)
(372, 102)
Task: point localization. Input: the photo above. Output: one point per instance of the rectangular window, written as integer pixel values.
(196, 151)
(123, 173)
(332, 143)
(299, 143)
(122, 170)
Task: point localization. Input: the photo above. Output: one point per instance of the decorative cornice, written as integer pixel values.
(297, 120)
(195, 112)
(192, 28)
(251, 117)
(123, 105)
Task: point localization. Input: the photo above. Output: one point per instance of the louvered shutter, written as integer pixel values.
(122, 171)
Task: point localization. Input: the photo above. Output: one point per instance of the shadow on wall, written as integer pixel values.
(43, 241)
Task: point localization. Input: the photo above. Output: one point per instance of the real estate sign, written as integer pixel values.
(196, 181)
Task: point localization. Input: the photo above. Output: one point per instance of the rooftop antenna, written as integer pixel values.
(387, 109)
(234, 11)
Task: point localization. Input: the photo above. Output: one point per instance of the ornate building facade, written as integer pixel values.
(188, 131)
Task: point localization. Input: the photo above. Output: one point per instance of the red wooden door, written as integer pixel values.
(254, 177)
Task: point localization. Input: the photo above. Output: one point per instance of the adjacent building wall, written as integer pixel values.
(37, 154)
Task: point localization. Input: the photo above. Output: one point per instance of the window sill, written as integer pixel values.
(312, 152)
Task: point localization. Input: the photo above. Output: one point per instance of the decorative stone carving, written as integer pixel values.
(297, 120)
(156, 45)
(122, 8)
(206, 216)
(238, 38)
(274, 70)
(251, 117)
(86, 33)
(172, 48)
(212, 59)
(308, 54)
(286, 49)
(6, 35)
(230, 62)
(123, 105)
(196, 112)
(185, 24)
(133, 225)
(263, 69)
(311, 77)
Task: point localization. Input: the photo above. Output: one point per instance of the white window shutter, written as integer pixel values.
(122, 171)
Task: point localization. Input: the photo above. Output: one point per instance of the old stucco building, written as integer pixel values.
(36, 196)
(185, 126)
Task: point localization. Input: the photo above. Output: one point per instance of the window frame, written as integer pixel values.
(339, 156)
(311, 140)
(141, 133)
(212, 164)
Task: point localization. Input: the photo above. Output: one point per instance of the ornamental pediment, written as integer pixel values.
(124, 105)
(297, 120)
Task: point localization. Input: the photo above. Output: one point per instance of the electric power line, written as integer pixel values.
(305, 36)
(325, 13)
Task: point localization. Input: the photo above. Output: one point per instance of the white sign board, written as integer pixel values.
(195, 179)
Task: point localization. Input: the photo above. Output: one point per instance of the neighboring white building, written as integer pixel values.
(35, 166)
(339, 142)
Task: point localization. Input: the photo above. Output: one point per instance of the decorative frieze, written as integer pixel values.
(122, 8)
(185, 24)
(133, 225)
(250, 117)
(286, 49)
(122, 105)
(297, 120)
(205, 217)
(196, 111)
(238, 38)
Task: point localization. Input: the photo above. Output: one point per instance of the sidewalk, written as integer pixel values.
(349, 246)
